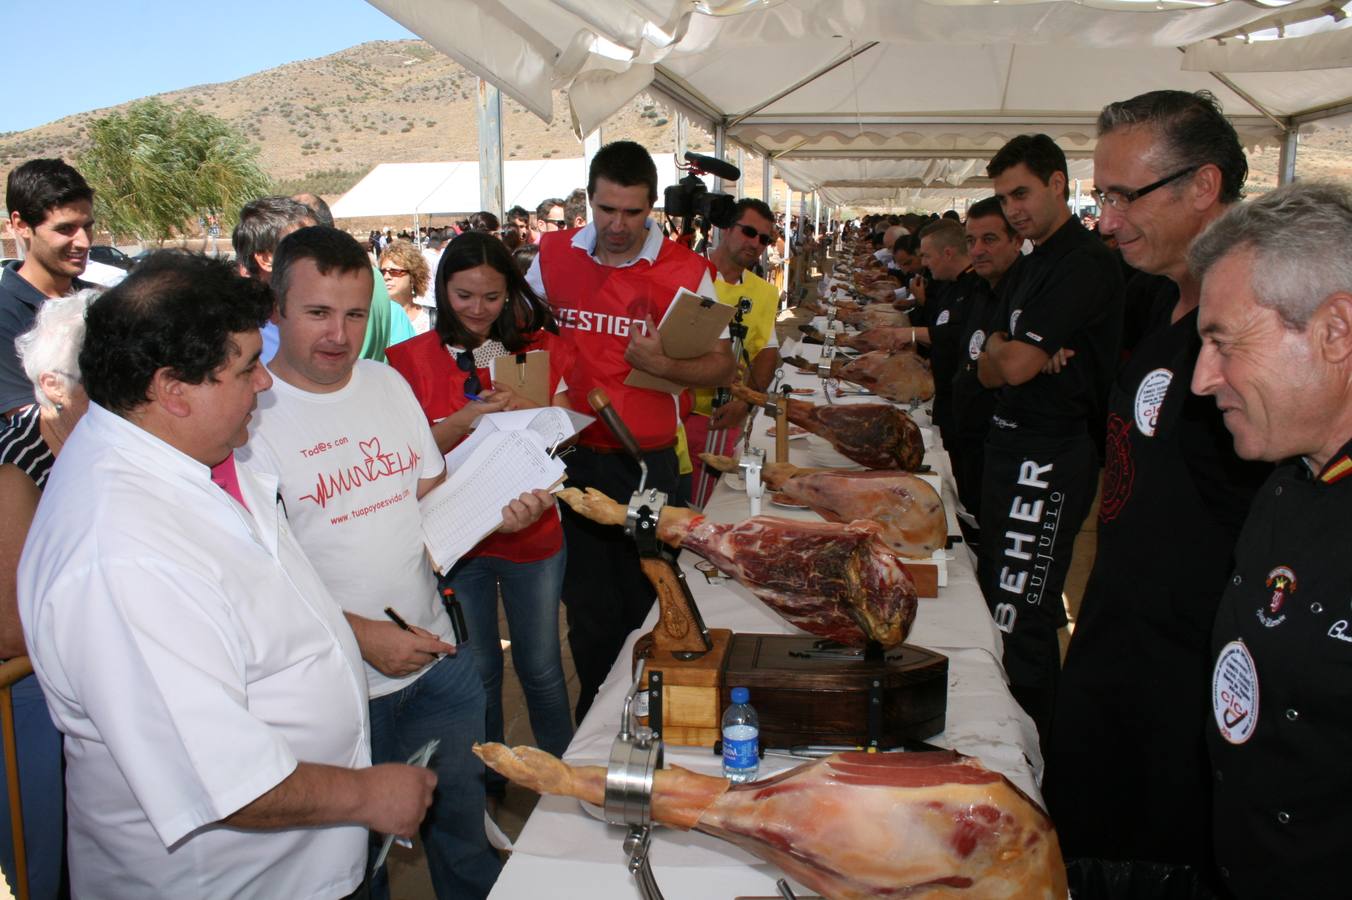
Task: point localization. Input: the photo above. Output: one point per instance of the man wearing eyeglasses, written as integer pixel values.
(609, 283)
(1052, 362)
(1135, 687)
(739, 247)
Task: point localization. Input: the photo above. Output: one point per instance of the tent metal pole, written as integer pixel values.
(1286, 162)
(680, 136)
(590, 145)
(767, 182)
(720, 147)
(490, 148)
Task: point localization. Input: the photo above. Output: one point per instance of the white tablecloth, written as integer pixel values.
(564, 852)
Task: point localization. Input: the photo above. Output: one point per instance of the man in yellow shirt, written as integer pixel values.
(738, 249)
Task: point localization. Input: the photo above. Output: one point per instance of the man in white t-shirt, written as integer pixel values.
(353, 454)
(210, 692)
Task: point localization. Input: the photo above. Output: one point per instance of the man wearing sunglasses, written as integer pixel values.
(609, 283)
(1134, 686)
(739, 247)
(1041, 466)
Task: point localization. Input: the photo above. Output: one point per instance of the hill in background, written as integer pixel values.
(321, 124)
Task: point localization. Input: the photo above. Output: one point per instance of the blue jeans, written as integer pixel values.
(42, 790)
(530, 595)
(447, 702)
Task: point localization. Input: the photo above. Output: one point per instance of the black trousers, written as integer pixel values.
(1036, 492)
(605, 593)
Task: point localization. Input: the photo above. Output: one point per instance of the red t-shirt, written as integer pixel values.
(430, 369)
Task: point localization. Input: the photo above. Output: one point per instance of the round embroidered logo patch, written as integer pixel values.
(1234, 693)
(942, 319)
(1149, 398)
(978, 341)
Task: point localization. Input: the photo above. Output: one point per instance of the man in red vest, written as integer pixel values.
(608, 283)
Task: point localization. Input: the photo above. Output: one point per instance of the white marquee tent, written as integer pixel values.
(446, 188)
(832, 85)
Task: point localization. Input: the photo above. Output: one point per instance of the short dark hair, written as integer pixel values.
(906, 243)
(177, 310)
(261, 223)
(517, 212)
(41, 185)
(1192, 131)
(542, 211)
(484, 221)
(330, 248)
(990, 206)
(759, 207)
(576, 206)
(524, 313)
(1038, 152)
(951, 214)
(625, 163)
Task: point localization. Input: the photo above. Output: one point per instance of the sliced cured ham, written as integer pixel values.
(914, 522)
(837, 581)
(853, 826)
(876, 435)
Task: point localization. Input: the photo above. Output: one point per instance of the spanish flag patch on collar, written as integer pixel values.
(1337, 470)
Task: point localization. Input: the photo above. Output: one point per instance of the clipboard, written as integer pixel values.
(690, 328)
(526, 374)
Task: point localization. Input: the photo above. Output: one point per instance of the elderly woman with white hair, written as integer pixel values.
(50, 353)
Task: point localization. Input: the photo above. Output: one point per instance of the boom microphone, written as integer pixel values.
(714, 166)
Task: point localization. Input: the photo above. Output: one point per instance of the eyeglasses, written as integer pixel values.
(465, 363)
(394, 272)
(750, 232)
(557, 223)
(1120, 200)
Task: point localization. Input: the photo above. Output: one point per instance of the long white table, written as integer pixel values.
(565, 852)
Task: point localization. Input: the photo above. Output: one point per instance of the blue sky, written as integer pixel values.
(89, 54)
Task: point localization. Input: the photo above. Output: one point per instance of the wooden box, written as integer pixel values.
(830, 701)
(691, 703)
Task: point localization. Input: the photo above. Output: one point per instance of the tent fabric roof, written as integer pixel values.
(925, 79)
(444, 188)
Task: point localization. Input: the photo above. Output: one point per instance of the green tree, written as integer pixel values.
(156, 169)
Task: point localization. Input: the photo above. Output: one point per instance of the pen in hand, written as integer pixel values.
(396, 618)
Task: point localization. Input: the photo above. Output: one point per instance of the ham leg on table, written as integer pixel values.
(884, 337)
(907, 507)
(897, 375)
(876, 435)
(837, 581)
(923, 826)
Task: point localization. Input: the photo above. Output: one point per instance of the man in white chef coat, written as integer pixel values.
(210, 691)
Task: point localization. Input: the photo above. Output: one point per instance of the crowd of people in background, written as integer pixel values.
(212, 548)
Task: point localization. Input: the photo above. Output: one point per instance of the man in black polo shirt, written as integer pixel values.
(1052, 360)
(51, 210)
(1134, 686)
(943, 251)
(994, 249)
(1276, 325)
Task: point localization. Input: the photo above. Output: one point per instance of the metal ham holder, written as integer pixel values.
(714, 442)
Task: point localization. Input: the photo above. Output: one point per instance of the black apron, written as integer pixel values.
(1127, 776)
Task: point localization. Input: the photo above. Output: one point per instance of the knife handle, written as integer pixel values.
(601, 404)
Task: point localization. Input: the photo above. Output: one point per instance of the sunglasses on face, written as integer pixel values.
(465, 363)
(750, 232)
(393, 272)
(557, 223)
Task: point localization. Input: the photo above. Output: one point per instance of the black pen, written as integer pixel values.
(396, 618)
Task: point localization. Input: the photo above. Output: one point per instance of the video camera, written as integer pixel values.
(689, 197)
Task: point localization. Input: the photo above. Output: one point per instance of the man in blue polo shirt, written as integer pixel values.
(51, 210)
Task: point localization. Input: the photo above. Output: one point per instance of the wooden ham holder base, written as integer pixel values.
(925, 576)
(799, 699)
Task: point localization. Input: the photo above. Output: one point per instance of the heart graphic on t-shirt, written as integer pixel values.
(370, 449)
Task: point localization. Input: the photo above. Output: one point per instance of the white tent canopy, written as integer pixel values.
(446, 188)
(897, 79)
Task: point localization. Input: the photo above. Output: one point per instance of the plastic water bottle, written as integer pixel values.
(741, 739)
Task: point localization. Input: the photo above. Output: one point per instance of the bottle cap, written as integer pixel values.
(740, 695)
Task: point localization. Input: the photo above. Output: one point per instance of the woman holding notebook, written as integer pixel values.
(490, 323)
